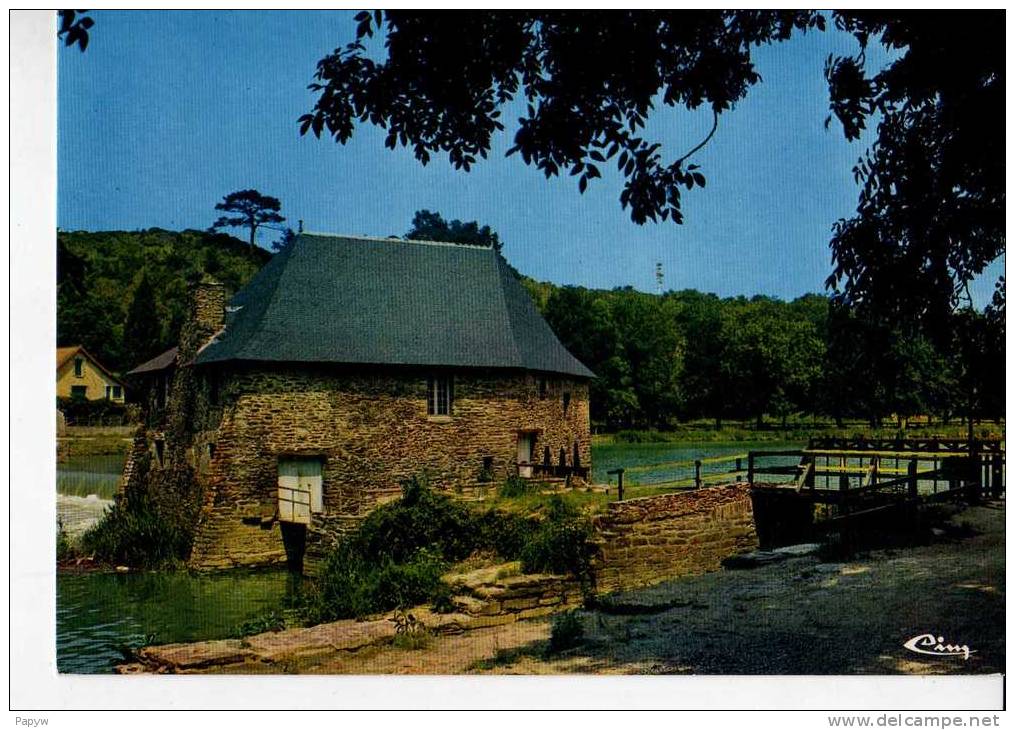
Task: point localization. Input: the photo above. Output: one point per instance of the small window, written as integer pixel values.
(79, 392)
(160, 452)
(576, 459)
(79, 367)
(567, 400)
(117, 392)
(109, 392)
(542, 388)
(211, 450)
(440, 395)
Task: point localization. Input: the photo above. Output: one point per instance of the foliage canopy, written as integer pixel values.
(931, 206)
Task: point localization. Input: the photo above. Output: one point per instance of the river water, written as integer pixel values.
(99, 613)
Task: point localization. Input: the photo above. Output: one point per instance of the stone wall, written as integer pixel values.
(651, 539)
(371, 431)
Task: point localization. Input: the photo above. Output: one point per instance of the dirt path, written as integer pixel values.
(797, 617)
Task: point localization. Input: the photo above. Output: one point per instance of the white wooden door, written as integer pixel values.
(299, 489)
(525, 441)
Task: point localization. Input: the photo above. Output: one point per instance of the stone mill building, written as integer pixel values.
(346, 366)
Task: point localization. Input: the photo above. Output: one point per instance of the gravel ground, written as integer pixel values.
(801, 616)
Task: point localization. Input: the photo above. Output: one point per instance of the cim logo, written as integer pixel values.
(935, 646)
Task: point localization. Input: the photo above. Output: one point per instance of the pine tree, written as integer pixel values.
(142, 330)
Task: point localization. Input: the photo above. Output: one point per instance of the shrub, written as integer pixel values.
(83, 411)
(504, 533)
(352, 586)
(133, 532)
(397, 556)
(562, 544)
(567, 630)
(420, 519)
(410, 632)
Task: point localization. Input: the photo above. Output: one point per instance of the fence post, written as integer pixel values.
(697, 473)
(620, 482)
(750, 468)
(843, 492)
(975, 469)
(913, 483)
(995, 476)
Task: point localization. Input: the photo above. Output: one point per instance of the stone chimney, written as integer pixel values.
(209, 305)
(207, 316)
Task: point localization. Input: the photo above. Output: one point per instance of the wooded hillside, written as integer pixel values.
(660, 359)
(123, 294)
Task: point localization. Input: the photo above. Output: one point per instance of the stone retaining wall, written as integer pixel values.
(651, 539)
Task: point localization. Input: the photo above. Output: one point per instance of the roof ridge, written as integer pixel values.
(507, 309)
(393, 239)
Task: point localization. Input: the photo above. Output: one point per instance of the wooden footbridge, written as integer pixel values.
(840, 470)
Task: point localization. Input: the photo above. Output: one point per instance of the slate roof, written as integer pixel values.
(342, 299)
(159, 362)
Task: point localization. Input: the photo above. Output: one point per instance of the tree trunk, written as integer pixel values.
(718, 423)
(253, 232)
(761, 421)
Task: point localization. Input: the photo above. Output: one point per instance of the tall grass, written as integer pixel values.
(134, 532)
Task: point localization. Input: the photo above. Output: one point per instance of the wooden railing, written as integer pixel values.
(971, 466)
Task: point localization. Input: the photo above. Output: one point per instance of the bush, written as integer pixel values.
(353, 586)
(410, 632)
(562, 544)
(83, 411)
(133, 532)
(567, 630)
(504, 533)
(420, 519)
(397, 556)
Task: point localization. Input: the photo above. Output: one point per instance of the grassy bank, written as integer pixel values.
(735, 431)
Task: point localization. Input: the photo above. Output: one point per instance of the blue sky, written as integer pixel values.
(166, 112)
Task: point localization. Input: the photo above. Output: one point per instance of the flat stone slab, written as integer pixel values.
(196, 655)
(274, 646)
(795, 551)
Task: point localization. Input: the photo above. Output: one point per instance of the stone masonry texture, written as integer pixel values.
(371, 432)
(652, 539)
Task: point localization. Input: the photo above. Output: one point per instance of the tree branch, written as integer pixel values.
(715, 125)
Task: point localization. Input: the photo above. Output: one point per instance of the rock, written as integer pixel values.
(194, 656)
(794, 551)
(753, 559)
